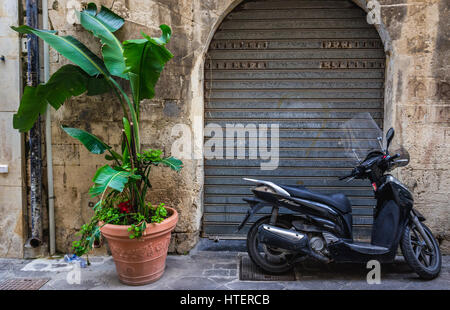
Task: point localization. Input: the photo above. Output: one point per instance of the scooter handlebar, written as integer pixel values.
(354, 173)
(395, 156)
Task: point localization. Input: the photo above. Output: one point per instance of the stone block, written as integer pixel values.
(10, 151)
(182, 243)
(11, 222)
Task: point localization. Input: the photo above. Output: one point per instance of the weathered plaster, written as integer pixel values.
(12, 219)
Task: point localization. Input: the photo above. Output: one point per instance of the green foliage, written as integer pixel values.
(121, 185)
(108, 213)
(136, 230)
(70, 48)
(108, 177)
(173, 163)
(154, 156)
(65, 83)
(158, 213)
(104, 212)
(145, 59)
(102, 24)
(91, 142)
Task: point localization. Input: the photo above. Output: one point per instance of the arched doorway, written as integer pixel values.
(307, 66)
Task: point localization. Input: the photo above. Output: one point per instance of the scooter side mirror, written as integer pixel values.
(389, 137)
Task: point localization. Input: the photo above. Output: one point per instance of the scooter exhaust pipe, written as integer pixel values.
(287, 239)
(283, 238)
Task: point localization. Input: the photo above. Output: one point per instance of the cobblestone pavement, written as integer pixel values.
(209, 270)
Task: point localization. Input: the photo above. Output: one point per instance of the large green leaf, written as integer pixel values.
(68, 81)
(29, 110)
(70, 48)
(108, 18)
(97, 85)
(103, 24)
(173, 163)
(145, 59)
(107, 177)
(91, 142)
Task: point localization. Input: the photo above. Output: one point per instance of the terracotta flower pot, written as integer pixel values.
(140, 261)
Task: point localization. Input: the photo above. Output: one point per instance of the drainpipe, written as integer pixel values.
(48, 140)
(34, 138)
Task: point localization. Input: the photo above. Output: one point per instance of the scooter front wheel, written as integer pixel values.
(271, 260)
(423, 259)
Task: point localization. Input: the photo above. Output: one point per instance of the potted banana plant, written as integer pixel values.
(137, 232)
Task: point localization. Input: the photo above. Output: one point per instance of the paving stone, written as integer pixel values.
(194, 283)
(225, 266)
(224, 280)
(242, 285)
(39, 266)
(216, 272)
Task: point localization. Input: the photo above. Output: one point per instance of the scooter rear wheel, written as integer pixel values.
(271, 260)
(424, 261)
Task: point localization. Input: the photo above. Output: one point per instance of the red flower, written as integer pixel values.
(124, 207)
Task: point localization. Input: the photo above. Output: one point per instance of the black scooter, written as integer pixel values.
(321, 226)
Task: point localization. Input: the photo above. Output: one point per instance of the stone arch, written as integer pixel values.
(382, 31)
(197, 82)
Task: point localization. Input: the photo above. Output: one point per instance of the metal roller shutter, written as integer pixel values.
(308, 66)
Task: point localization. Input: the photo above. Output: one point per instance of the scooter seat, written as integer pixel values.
(338, 201)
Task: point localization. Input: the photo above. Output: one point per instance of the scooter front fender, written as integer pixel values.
(255, 205)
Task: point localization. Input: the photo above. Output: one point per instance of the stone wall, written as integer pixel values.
(415, 34)
(421, 104)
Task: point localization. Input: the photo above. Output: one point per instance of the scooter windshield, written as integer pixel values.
(360, 136)
(403, 158)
